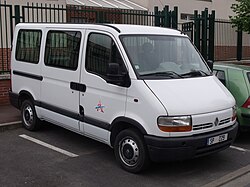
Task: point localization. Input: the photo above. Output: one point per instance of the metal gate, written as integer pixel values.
(201, 31)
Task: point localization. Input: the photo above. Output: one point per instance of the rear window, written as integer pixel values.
(62, 49)
(28, 46)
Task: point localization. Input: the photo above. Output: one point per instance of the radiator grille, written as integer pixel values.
(210, 125)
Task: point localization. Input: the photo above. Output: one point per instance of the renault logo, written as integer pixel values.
(216, 122)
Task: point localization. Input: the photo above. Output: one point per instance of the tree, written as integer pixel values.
(242, 18)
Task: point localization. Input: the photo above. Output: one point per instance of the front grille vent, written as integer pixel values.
(224, 121)
(202, 126)
(210, 125)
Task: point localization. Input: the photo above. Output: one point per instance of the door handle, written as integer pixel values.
(77, 86)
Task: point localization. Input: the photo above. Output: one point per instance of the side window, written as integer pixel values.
(221, 76)
(101, 51)
(28, 45)
(62, 49)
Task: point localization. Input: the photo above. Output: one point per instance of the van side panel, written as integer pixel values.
(59, 100)
(26, 62)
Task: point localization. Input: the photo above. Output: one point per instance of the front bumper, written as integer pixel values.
(181, 148)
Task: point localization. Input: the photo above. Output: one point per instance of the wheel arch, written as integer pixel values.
(122, 123)
(23, 95)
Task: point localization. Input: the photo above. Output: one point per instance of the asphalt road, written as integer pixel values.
(26, 163)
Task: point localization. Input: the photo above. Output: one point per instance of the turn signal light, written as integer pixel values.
(175, 129)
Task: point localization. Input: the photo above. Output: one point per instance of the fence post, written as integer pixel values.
(239, 44)
(174, 18)
(157, 16)
(204, 24)
(166, 16)
(211, 36)
(17, 14)
(197, 30)
(204, 34)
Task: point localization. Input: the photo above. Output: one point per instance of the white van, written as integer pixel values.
(144, 91)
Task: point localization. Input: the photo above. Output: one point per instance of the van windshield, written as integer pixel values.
(164, 57)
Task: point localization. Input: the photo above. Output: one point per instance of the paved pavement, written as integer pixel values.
(9, 117)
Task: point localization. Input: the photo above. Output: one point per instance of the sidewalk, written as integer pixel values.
(9, 118)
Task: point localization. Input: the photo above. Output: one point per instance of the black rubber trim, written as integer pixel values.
(28, 75)
(97, 123)
(73, 115)
(14, 99)
(111, 26)
(181, 148)
(58, 110)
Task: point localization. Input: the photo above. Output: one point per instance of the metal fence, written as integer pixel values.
(43, 13)
(201, 32)
(10, 15)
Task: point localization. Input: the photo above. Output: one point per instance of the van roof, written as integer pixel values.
(120, 28)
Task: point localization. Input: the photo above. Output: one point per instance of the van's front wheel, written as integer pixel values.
(29, 117)
(130, 151)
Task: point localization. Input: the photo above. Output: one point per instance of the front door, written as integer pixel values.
(102, 102)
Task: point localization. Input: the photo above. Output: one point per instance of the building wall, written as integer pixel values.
(4, 89)
(222, 7)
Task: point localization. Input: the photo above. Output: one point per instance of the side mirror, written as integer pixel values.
(210, 64)
(115, 75)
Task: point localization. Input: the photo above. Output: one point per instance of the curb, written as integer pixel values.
(10, 125)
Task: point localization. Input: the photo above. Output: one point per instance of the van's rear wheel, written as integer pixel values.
(29, 117)
(130, 151)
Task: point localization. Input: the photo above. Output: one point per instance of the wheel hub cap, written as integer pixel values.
(129, 152)
(28, 116)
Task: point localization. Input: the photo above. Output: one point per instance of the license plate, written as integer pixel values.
(217, 139)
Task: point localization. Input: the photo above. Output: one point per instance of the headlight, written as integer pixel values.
(175, 124)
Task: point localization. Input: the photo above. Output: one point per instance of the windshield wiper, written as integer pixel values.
(170, 74)
(195, 73)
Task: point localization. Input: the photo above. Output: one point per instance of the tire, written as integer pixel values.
(130, 151)
(29, 117)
